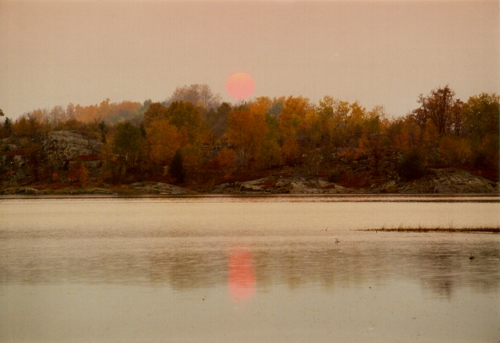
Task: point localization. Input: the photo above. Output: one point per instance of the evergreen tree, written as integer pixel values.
(177, 170)
(7, 128)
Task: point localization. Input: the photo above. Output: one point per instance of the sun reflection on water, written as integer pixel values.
(241, 278)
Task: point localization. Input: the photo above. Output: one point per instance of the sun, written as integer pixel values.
(240, 86)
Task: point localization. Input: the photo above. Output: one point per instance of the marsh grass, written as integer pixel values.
(449, 228)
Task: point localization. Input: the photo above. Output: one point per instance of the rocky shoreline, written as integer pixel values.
(437, 181)
(66, 149)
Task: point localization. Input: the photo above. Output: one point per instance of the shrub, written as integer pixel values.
(334, 176)
(479, 159)
(412, 166)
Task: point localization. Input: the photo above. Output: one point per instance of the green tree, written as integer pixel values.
(482, 115)
(103, 130)
(7, 128)
(127, 145)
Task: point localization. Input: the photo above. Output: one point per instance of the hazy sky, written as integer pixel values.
(378, 52)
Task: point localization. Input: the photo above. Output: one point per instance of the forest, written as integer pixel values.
(196, 140)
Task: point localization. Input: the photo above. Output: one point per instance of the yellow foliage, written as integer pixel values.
(247, 128)
(270, 154)
(164, 140)
(455, 149)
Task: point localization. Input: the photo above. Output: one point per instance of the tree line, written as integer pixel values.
(193, 136)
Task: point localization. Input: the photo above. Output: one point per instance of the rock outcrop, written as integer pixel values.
(70, 144)
(159, 188)
(444, 181)
(21, 191)
(281, 185)
(66, 147)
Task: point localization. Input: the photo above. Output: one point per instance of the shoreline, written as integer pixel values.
(350, 197)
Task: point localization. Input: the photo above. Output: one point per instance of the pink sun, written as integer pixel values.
(240, 86)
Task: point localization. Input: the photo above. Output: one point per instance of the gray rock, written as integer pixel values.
(22, 190)
(63, 146)
(160, 188)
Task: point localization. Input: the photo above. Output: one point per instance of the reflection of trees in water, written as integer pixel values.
(189, 269)
(326, 265)
(439, 266)
(443, 268)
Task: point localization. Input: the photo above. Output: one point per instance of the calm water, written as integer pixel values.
(251, 269)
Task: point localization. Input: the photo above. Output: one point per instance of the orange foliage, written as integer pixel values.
(192, 156)
(164, 140)
(227, 160)
(291, 150)
(247, 129)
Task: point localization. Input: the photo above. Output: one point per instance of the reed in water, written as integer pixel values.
(450, 228)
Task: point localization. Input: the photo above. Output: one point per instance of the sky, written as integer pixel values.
(376, 52)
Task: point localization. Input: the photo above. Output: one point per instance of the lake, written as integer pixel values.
(248, 269)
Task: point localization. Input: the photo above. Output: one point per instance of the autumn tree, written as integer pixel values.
(333, 116)
(30, 130)
(164, 140)
(35, 156)
(227, 160)
(183, 115)
(56, 115)
(374, 139)
(355, 124)
(186, 117)
(291, 120)
(481, 124)
(440, 107)
(196, 94)
(217, 120)
(270, 153)
(154, 112)
(29, 126)
(247, 128)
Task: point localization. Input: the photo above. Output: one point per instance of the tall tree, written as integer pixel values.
(439, 107)
(154, 112)
(186, 117)
(164, 140)
(247, 129)
(217, 120)
(482, 114)
(196, 94)
(7, 128)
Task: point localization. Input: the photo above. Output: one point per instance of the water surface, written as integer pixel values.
(248, 269)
